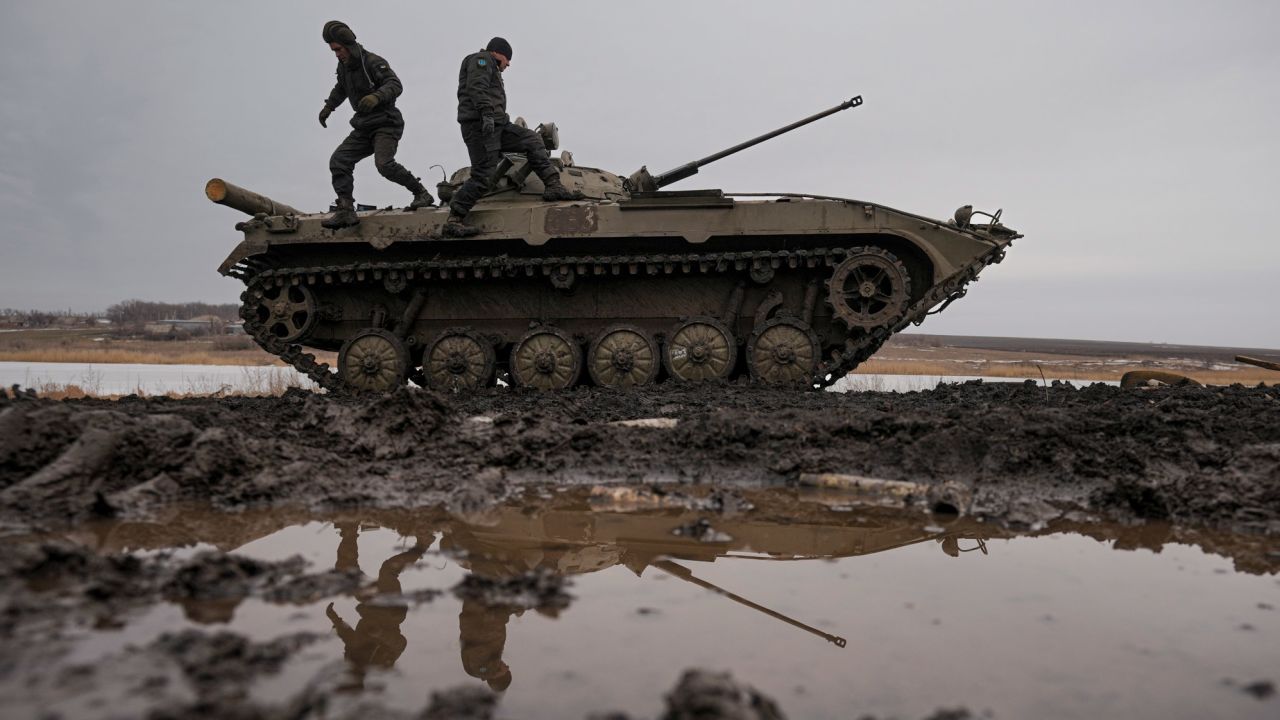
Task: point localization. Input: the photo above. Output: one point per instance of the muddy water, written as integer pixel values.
(832, 610)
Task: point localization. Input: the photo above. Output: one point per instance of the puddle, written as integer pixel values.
(832, 611)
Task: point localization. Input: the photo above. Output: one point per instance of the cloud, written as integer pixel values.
(1137, 152)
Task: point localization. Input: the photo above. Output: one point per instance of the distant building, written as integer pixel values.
(206, 325)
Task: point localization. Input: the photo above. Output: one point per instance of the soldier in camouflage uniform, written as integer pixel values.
(371, 86)
(488, 132)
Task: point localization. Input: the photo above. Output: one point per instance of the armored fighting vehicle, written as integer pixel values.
(632, 285)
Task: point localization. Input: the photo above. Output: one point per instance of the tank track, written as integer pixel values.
(396, 274)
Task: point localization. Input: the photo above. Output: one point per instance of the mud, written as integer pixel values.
(539, 590)
(1024, 454)
(1195, 466)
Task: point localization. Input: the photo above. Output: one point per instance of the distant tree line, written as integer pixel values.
(43, 318)
(142, 311)
(129, 312)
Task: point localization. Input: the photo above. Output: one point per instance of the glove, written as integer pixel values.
(486, 124)
(325, 112)
(368, 102)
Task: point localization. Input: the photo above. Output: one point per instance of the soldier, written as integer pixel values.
(488, 132)
(371, 86)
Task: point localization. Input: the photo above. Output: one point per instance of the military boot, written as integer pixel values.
(560, 192)
(421, 199)
(344, 216)
(454, 227)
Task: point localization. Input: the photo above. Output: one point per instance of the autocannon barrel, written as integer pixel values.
(246, 201)
(691, 168)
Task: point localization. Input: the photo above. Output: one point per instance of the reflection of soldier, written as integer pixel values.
(483, 636)
(482, 627)
(376, 640)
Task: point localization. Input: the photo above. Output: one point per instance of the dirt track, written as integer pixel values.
(1017, 455)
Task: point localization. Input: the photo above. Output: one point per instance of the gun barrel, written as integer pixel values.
(685, 573)
(246, 201)
(691, 168)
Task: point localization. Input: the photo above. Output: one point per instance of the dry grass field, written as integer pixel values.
(262, 385)
(96, 345)
(1065, 359)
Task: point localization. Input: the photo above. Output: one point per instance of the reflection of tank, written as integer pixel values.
(572, 533)
(634, 283)
(586, 530)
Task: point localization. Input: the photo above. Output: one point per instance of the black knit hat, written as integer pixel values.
(499, 45)
(337, 31)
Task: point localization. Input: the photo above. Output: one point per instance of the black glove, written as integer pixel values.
(325, 112)
(486, 124)
(368, 102)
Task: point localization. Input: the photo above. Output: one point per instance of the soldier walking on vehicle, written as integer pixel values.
(488, 132)
(371, 86)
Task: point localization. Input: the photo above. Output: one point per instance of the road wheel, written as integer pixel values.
(373, 361)
(459, 360)
(623, 356)
(547, 359)
(783, 351)
(700, 349)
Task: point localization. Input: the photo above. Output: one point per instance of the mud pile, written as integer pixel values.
(1026, 453)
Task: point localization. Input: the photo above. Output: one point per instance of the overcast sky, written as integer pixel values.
(1134, 143)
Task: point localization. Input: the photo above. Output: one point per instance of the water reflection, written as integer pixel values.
(376, 640)
(564, 534)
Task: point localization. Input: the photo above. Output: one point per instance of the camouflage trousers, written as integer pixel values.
(486, 151)
(381, 143)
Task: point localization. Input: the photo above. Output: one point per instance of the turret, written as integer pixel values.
(643, 181)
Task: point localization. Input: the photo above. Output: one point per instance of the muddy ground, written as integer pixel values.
(1017, 455)
(1022, 453)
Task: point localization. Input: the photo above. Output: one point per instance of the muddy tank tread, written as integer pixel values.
(858, 347)
(954, 287)
(291, 353)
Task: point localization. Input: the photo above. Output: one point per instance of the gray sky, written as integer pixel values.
(1135, 144)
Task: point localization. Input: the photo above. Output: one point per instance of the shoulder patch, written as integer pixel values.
(481, 62)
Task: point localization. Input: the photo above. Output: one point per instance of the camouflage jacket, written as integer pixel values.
(364, 74)
(480, 89)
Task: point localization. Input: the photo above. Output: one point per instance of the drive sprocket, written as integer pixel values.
(288, 313)
(869, 288)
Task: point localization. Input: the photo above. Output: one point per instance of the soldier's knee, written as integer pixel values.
(386, 167)
(340, 163)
